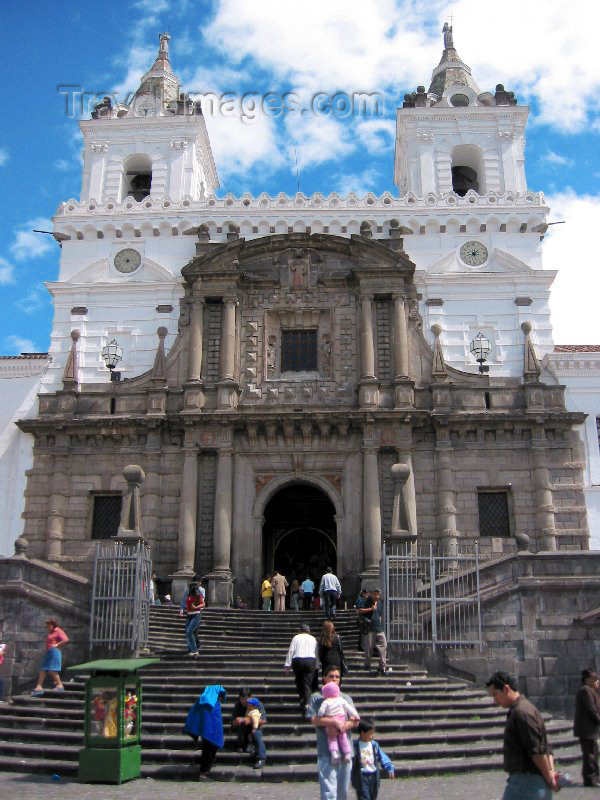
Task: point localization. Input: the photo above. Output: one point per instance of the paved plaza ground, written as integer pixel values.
(476, 786)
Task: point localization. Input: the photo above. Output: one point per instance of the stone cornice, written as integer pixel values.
(281, 205)
(577, 364)
(23, 366)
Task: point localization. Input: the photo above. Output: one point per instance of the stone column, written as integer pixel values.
(220, 586)
(151, 497)
(228, 386)
(367, 348)
(193, 399)
(195, 341)
(186, 550)
(228, 339)
(223, 511)
(400, 339)
(542, 492)
(371, 510)
(57, 506)
(369, 385)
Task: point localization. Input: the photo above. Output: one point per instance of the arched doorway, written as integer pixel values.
(299, 533)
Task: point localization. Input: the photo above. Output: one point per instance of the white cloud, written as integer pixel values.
(3, 156)
(533, 47)
(555, 158)
(318, 139)
(572, 250)
(17, 344)
(238, 146)
(359, 183)
(34, 300)
(376, 135)
(7, 271)
(32, 245)
(62, 165)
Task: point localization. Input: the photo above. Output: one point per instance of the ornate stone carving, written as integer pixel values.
(425, 136)
(179, 144)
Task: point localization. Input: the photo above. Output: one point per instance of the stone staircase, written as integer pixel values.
(427, 725)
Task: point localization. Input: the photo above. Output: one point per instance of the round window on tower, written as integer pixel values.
(459, 100)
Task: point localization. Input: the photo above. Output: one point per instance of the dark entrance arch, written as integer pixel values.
(299, 533)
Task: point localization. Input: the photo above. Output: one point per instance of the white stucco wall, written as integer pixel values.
(19, 401)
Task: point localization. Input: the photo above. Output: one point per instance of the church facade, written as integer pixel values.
(280, 354)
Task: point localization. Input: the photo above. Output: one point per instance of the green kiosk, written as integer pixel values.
(113, 701)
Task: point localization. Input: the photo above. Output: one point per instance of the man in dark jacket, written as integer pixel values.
(587, 725)
(527, 755)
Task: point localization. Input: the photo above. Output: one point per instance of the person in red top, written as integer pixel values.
(52, 662)
(194, 603)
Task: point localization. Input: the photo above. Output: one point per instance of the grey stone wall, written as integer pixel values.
(31, 592)
(539, 623)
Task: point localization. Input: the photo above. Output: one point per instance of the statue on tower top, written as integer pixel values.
(163, 49)
(448, 40)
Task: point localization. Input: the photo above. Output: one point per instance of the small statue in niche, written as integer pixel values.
(271, 355)
(299, 269)
(325, 352)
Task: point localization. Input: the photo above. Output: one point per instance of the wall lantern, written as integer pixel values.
(481, 347)
(112, 353)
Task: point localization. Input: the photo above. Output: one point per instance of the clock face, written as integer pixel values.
(127, 260)
(144, 108)
(474, 253)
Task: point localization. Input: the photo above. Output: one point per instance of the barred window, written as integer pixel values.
(299, 350)
(106, 515)
(494, 517)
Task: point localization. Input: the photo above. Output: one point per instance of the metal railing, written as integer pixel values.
(121, 589)
(432, 599)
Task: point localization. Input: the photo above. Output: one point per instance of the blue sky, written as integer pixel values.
(543, 53)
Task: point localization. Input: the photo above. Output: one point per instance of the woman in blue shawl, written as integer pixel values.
(204, 720)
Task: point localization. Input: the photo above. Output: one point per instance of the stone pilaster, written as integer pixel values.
(57, 508)
(371, 510)
(446, 493)
(404, 394)
(400, 339)
(220, 587)
(228, 389)
(194, 388)
(195, 341)
(545, 530)
(187, 511)
(369, 385)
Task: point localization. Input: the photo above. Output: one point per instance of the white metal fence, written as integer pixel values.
(121, 589)
(432, 599)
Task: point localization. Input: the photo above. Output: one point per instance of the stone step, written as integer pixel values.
(68, 750)
(434, 725)
(299, 738)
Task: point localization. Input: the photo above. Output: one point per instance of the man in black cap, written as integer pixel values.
(527, 755)
(587, 725)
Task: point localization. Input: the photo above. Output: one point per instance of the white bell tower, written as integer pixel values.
(455, 137)
(155, 147)
(475, 229)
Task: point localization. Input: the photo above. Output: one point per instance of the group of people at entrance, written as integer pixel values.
(274, 588)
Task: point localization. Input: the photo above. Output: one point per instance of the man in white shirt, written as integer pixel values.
(330, 589)
(302, 659)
